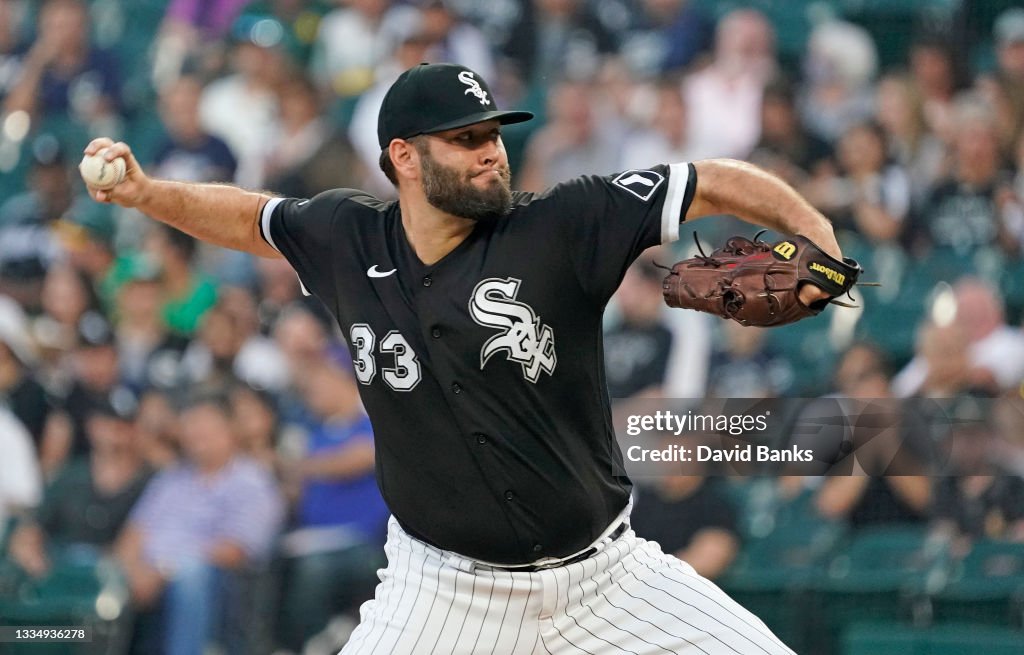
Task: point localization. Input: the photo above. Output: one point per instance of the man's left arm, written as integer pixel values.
(727, 186)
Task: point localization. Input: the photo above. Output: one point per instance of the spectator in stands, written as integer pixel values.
(557, 39)
(21, 484)
(12, 48)
(574, 141)
(637, 348)
(197, 527)
(991, 355)
(1009, 37)
(308, 155)
(27, 244)
(241, 108)
(966, 212)
(88, 232)
(455, 40)
(689, 515)
(872, 198)
(63, 75)
(786, 148)
(149, 354)
(1008, 428)
(666, 36)
(229, 349)
(938, 77)
(976, 499)
(300, 20)
(744, 366)
(882, 481)
(840, 67)
(188, 293)
(278, 287)
(941, 366)
(24, 395)
(67, 296)
(723, 100)
(900, 112)
(257, 423)
(332, 555)
(211, 358)
(412, 49)
(303, 338)
(665, 138)
(260, 363)
(156, 427)
(189, 153)
(191, 36)
(95, 382)
(85, 506)
(354, 38)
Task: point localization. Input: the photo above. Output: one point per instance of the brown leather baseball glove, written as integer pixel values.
(758, 283)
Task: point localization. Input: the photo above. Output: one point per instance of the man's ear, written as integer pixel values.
(405, 158)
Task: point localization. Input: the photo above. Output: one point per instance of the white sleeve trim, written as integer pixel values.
(671, 211)
(268, 211)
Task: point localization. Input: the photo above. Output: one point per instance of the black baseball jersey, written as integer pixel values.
(483, 373)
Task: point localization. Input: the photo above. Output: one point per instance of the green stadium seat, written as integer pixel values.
(986, 586)
(888, 638)
(772, 573)
(969, 638)
(881, 574)
(883, 638)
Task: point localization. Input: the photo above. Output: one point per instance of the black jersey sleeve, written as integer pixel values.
(610, 220)
(304, 232)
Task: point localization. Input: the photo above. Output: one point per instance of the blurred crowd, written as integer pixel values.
(188, 412)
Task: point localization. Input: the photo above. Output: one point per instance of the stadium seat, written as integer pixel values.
(986, 586)
(883, 638)
(773, 572)
(881, 574)
(970, 638)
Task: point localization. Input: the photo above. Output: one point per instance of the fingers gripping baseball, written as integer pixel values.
(128, 190)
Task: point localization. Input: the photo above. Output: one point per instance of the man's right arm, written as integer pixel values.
(220, 214)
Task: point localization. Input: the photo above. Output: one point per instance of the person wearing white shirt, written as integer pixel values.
(21, 484)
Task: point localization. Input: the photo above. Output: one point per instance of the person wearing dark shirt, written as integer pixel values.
(84, 508)
(637, 348)
(63, 74)
(97, 383)
(189, 153)
(690, 517)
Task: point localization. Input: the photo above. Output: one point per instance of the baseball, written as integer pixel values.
(99, 173)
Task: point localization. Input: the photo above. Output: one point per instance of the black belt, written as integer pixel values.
(531, 568)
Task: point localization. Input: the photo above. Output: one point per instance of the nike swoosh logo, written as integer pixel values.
(373, 272)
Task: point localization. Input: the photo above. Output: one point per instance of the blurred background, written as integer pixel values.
(185, 466)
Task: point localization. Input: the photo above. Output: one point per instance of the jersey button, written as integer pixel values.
(509, 495)
(481, 438)
(537, 548)
(435, 332)
(456, 387)
(427, 281)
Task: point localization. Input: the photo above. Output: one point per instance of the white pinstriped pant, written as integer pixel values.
(628, 598)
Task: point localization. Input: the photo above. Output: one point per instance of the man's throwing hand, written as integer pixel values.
(130, 191)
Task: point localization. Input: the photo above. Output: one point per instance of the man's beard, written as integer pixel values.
(448, 190)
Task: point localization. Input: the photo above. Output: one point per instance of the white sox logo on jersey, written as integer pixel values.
(527, 342)
(641, 184)
(474, 87)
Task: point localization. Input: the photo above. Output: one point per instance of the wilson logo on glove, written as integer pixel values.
(758, 283)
